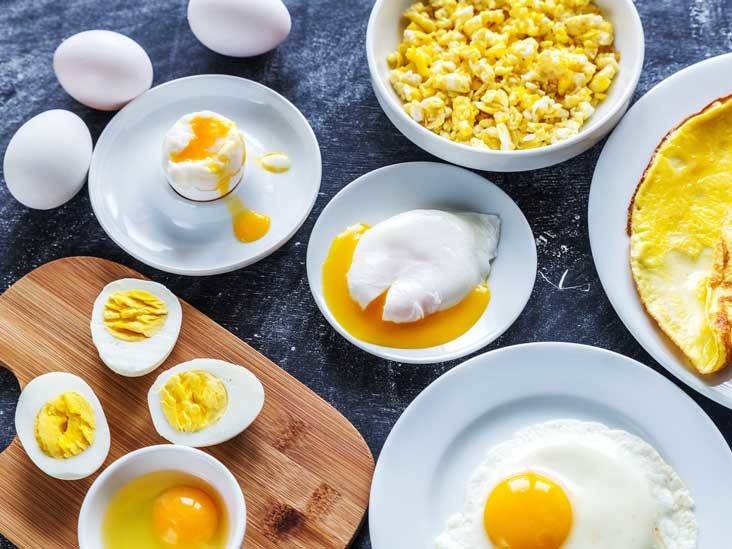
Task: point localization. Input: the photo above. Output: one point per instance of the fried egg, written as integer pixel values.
(570, 484)
(680, 236)
(135, 325)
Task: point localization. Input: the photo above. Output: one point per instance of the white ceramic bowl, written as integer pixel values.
(164, 457)
(384, 34)
(385, 192)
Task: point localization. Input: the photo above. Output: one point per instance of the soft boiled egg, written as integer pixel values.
(204, 402)
(572, 485)
(135, 325)
(62, 426)
(415, 280)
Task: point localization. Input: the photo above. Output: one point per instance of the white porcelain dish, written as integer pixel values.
(163, 457)
(145, 217)
(388, 191)
(446, 431)
(384, 34)
(616, 177)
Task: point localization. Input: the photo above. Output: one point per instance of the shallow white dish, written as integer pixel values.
(163, 457)
(145, 217)
(445, 432)
(617, 174)
(388, 191)
(384, 34)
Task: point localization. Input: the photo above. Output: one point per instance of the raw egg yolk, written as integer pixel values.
(527, 511)
(65, 426)
(185, 516)
(134, 315)
(193, 400)
(368, 325)
(206, 132)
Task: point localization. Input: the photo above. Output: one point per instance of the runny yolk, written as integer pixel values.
(368, 325)
(527, 511)
(185, 516)
(206, 131)
(248, 224)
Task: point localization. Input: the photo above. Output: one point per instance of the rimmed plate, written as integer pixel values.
(421, 474)
(616, 177)
(146, 218)
(388, 191)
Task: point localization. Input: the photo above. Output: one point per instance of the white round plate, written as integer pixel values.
(435, 446)
(385, 192)
(145, 217)
(617, 174)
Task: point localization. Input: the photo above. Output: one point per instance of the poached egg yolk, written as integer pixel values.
(185, 516)
(527, 511)
(65, 426)
(134, 315)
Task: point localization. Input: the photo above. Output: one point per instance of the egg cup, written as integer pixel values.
(207, 196)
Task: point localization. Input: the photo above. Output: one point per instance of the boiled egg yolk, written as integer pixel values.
(193, 400)
(185, 516)
(134, 315)
(527, 511)
(367, 324)
(65, 426)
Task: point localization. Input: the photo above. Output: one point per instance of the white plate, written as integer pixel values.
(432, 451)
(388, 191)
(146, 218)
(617, 175)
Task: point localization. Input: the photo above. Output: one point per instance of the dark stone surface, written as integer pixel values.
(322, 69)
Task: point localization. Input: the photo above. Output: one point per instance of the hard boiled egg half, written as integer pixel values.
(62, 426)
(135, 325)
(204, 402)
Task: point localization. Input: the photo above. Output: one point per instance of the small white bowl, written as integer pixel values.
(385, 192)
(164, 457)
(384, 34)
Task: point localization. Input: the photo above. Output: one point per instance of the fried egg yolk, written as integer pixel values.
(193, 400)
(185, 516)
(367, 324)
(65, 426)
(527, 511)
(134, 315)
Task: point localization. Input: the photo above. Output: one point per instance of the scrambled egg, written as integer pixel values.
(504, 74)
(65, 426)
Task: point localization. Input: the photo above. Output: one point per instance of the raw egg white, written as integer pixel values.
(47, 159)
(239, 28)
(102, 69)
(62, 426)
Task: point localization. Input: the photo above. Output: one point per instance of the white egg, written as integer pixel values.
(47, 159)
(244, 401)
(426, 261)
(102, 69)
(33, 398)
(239, 28)
(621, 493)
(135, 358)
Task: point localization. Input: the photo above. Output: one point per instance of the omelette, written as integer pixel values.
(680, 227)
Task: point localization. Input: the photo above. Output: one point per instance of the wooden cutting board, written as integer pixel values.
(304, 469)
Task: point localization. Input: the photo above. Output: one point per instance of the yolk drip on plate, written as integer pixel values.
(193, 400)
(134, 315)
(527, 510)
(65, 426)
(248, 224)
(368, 325)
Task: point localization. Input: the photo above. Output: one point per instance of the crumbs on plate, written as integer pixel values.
(504, 74)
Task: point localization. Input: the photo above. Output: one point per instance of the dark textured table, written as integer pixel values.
(322, 69)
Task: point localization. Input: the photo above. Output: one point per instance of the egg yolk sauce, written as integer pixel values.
(65, 426)
(193, 400)
(367, 324)
(165, 509)
(134, 315)
(527, 511)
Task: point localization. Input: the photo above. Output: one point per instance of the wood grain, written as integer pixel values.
(304, 469)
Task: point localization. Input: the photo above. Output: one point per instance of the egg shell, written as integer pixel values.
(135, 358)
(245, 401)
(47, 159)
(239, 28)
(102, 69)
(33, 397)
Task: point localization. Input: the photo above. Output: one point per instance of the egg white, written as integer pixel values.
(245, 401)
(623, 495)
(136, 358)
(33, 397)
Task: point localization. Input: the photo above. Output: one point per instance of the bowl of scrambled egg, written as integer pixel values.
(504, 85)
